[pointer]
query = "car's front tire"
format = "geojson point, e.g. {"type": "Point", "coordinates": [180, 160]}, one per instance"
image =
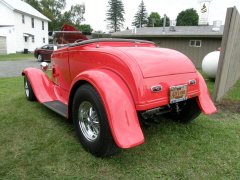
{"type": "Point", "coordinates": [28, 90]}
{"type": "Point", "coordinates": [91, 123]}
{"type": "Point", "coordinates": [39, 58]}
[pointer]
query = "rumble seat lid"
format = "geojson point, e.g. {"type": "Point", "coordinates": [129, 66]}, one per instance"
{"type": "Point", "coordinates": [155, 62]}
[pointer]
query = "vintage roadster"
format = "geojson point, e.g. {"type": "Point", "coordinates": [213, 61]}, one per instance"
{"type": "Point", "coordinates": [109, 86]}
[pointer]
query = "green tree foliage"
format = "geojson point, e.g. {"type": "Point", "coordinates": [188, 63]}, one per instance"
{"type": "Point", "coordinates": [167, 21]}
{"type": "Point", "coordinates": [114, 14]}
{"type": "Point", "coordinates": [154, 20]}
{"type": "Point", "coordinates": [74, 16]}
{"type": "Point", "coordinates": [189, 17]}
{"type": "Point", "coordinates": [65, 18]}
{"type": "Point", "coordinates": [77, 12]}
{"type": "Point", "coordinates": [141, 16]}
{"type": "Point", "coordinates": [53, 10]}
{"type": "Point", "coordinates": [85, 28]}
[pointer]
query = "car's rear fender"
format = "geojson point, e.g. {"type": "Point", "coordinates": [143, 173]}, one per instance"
{"type": "Point", "coordinates": [41, 84]}
{"type": "Point", "coordinates": [204, 100]}
{"type": "Point", "coordinates": [119, 105]}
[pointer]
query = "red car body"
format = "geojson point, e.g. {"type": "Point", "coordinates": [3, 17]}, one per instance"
{"type": "Point", "coordinates": [131, 77]}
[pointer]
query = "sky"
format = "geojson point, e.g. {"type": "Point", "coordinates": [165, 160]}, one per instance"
{"type": "Point", "coordinates": [95, 10]}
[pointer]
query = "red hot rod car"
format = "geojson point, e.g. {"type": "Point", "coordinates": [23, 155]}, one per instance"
{"type": "Point", "coordinates": [109, 86]}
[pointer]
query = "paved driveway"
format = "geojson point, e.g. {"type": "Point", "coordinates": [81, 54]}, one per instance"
{"type": "Point", "coordinates": [14, 68]}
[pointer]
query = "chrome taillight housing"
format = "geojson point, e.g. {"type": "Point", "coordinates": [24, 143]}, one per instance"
{"type": "Point", "coordinates": [156, 89]}
{"type": "Point", "coordinates": [192, 82]}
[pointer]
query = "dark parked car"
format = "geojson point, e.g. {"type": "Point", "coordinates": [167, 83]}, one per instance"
{"type": "Point", "coordinates": [44, 52]}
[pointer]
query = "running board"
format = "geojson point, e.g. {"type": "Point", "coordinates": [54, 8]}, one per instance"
{"type": "Point", "coordinates": [57, 106]}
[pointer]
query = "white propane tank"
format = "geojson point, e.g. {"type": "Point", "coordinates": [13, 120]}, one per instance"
{"type": "Point", "coordinates": [210, 64]}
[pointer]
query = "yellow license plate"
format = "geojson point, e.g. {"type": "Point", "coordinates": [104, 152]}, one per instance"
{"type": "Point", "coordinates": [178, 93]}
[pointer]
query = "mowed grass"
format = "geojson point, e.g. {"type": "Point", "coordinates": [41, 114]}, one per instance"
{"type": "Point", "coordinates": [37, 143]}
{"type": "Point", "coordinates": [16, 57]}
{"type": "Point", "coordinates": [210, 82]}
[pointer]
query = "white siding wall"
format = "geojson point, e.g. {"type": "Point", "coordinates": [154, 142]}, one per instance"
{"type": "Point", "coordinates": [12, 28]}
{"type": "Point", "coordinates": [26, 28]}
{"type": "Point", "coordinates": [6, 15]}
{"type": "Point", "coordinates": [8, 31]}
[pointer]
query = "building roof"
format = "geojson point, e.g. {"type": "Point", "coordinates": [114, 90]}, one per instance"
{"type": "Point", "coordinates": [25, 8]}
{"type": "Point", "coordinates": [180, 31]}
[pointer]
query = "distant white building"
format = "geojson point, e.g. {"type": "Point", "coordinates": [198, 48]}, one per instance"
{"type": "Point", "coordinates": [21, 27]}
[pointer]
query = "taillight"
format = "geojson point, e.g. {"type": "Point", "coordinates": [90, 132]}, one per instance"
{"type": "Point", "coordinates": [156, 89]}
{"type": "Point", "coordinates": [192, 82]}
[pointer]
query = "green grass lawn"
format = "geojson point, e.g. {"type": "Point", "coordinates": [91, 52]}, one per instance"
{"type": "Point", "coordinates": [37, 143]}
{"type": "Point", "coordinates": [16, 57]}
{"type": "Point", "coordinates": [209, 81]}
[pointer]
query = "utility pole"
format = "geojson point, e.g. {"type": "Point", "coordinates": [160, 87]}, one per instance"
{"type": "Point", "coordinates": [153, 21]}
{"type": "Point", "coordinates": [164, 23]}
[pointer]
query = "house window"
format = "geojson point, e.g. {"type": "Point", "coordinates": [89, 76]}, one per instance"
{"type": "Point", "coordinates": [32, 23]}
{"type": "Point", "coordinates": [23, 20]}
{"type": "Point", "coordinates": [43, 40]}
{"type": "Point", "coordinates": [42, 25]}
{"type": "Point", "coordinates": [33, 39]}
{"type": "Point", "coordinates": [25, 39]}
{"type": "Point", "coordinates": [195, 43]}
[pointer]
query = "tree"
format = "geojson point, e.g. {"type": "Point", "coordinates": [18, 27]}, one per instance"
{"type": "Point", "coordinates": [154, 20]}
{"type": "Point", "coordinates": [65, 18]}
{"type": "Point", "coordinates": [167, 21]}
{"type": "Point", "coordinates": [77, 12]}
{"type": "Point", "coordinates": [85, 28]}
{"type": "Point", "coordinates": [53, 9]}
{"type": "Point", "coordinates": [114, 14]}
{"type": "Point", "coordinates": [73, 17]}
{"type": "Point", "coordinates": [140, 17]}
{"type": "Point", "coordinates": [189, 17]}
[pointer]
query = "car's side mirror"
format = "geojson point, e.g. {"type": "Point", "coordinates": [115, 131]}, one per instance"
{"type": "Point", "coordinates": [44, 66]}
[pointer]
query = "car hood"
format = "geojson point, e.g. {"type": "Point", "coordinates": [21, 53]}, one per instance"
{"type": "Point", "coordinates": [155, 62]}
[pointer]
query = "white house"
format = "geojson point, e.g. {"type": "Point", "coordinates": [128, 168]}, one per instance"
{"type": "Point", "coordinates": [21, 27]}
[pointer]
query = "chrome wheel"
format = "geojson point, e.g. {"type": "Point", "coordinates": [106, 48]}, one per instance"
{"type": "Point", "coordinates": [88, 121]}
{"type": "Point", "coordinates": [40, 58]}
{"type": "Point", "coordinates": [26, 89]}
{"type": "Point", "coordinates": [91, 122]}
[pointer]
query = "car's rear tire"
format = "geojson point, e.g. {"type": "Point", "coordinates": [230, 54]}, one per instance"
{"type": "Point", "coordinates": [184, 111]}
{"type": "Point", "coordinates": [39, 58]}
{"type": "Point", "coordinates": [91, 123]}
{"type": "Point", "coordinates": [28, 90]}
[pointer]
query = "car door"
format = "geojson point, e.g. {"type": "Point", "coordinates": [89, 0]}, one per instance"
{"type": "Point", "coordinates": [42, 51]}
{"type": "Point", "coordinates": [49, 52]}
{"type": "Point", "coordinates": [60, 68]}
{"type": "Point", "coordinates": [46, 52]}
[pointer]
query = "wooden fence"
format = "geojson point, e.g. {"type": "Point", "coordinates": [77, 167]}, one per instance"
{"type": "Point", "coordinates": [229, 62]}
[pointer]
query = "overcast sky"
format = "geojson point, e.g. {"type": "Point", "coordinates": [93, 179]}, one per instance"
{"type": "Point", "coordinates": [96, 10]}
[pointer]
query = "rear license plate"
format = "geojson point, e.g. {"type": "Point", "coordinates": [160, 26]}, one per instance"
{"type": "Point", "coordinates": [178, 93]}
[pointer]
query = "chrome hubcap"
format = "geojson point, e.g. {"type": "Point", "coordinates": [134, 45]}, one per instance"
{"type": "Point", "coordinates": [88, 121]}
{"type": "Point", "coordinates": [39, 58]}
{"type": "Point", "coordinates": [26, 89]}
